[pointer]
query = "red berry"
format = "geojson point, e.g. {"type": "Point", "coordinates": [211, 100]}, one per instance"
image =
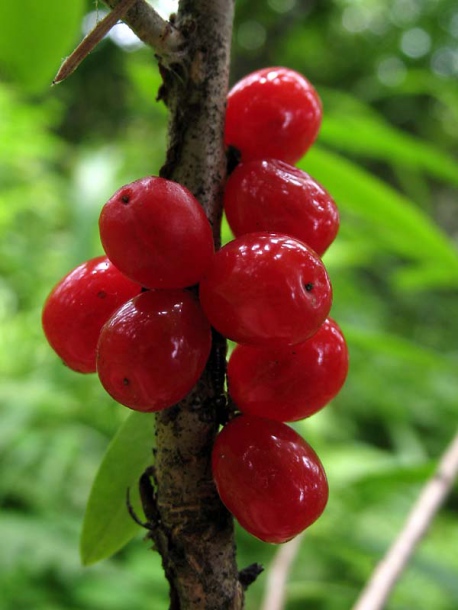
{"type": "Point", "coordinates": [266, 289]}
{"type": "Point", "coordinates": [268, 477]}
{"type": "Point", "coordinates": [78, 307]}
{"type": "Point", "coordinates": [156, 232]}
{"type": "Point", "coordinates": [270, 195]}
{"type": "Point", "coordinates": [274, 112]}
{"type": "Point", "coordinates": [289, 383]}
{"type": "Point", "coordinates": [154, 349]}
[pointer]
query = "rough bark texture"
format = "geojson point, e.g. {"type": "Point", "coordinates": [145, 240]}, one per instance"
{"type": "Point", "coordinates": [194, 532]}
{"type": "Point", "coordinates": [195, 91]}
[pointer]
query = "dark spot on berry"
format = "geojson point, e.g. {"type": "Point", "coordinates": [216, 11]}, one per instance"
{"type": "Point", "coordinates": [308, 287]}
{"type": "Point", "coordinates": [125, 198]}
{"type": "Point", "coordinates": [101, 294]}
{"type": "Point", "coordinates": [126, 381]}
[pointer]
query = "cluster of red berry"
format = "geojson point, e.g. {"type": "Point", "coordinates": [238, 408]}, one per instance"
{"type": "Point", "coordinates": [269, 291]}
{"type": "Point", "coordinates": [132, 317]}
{"type": "Point", "coordinates": [128, 315]}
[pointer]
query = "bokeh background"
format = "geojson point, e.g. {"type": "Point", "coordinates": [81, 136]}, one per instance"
{"type": "Point", "coordinates": [387, 73]}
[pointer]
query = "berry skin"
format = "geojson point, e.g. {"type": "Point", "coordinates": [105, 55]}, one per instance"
{"type": "Point", "coordinates": [289, 383]}
{"type": "Point", "coordinates": [266, 289]}
{"type": "Point", "coordinates": [270, 195]}
{"type": "Point", "coordinates": [79, 305]}
{"type": "Point", "coordinates": [156, 232]}
{"type": "Point", "coordinates": [274, 112]}
{"type": "Point", "coordinates": [268, 477]}
{"type": "Point", "coordinates": [153, 350]}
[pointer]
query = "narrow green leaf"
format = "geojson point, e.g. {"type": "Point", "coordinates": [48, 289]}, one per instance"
{"type": "Point", "coordinates": [403, 227]}
{"type": "Point", "coordinates": [399, 350]}
{"type": "Point", "coordinates": [373, 137]}
{"type": "Point", "coordinates": [426, 276]}
{"type": "Point", "coordinates": [34, 38]}
{"type": "Point", "coordinates": [107, 524]}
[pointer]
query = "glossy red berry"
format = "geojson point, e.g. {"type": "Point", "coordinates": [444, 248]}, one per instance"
{"type": "Point", "coordinates": [270, 195]}
{"type": "Point", "coordinates": [268, 477]}
{"type": "Point", "coordinates": [156, 232]}
{"type": "Point", "coordinates": [274, 112]}
{"type": "Point", "coordinates": [266, 289]}
{"type": "Point", "coordinates": [79, 305]}
{"type": "Point", "coordinates": [153, 350]}
{"type": "Point", "coordinates": [289, 383]}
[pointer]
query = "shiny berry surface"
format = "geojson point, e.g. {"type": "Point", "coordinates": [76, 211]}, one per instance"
{"type": "Point", "coordinates": [270, 195]}
{"type": "Point", "coordinates": [274, 112]}
{"type": "Point", "coordinates": [289, 383]}
{"type": "Point", "coordinates": [266, 289]}
{"type": "Point", "coordinates": [153, 350]}
{"type": "Point", "coordinates": [268, 477]}
{"type": "Point", "coordinates": [79, 305]}
{"type": "Point", "coordinates": [156, 232]}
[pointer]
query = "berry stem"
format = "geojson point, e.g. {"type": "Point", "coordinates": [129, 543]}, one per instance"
{"type": "Point", "coordinates": [195, 532]}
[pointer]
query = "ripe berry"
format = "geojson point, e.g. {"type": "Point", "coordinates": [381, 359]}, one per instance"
{"type": "Point", "coordinates": [156, 232]}
{"type": "Point", "coordinates": [270, 195]}
{"type": "Point", "coordinates": [79, 305]}
{"type": "Point", "coordinates": [289, 383]}
{"type": "Point", "coordinates": [266, 289]}
{"type": "Point", "coordinates": [268, 477]}
{"type": "Point", "coordinates": [153, 350]}
{"type": "Point", "coordinates": [274, 112]}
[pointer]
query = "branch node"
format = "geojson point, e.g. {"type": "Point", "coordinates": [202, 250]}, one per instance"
{"type": "Point", "coordinates": [248, 575]}
{"type": "Point", "coordinates": [168, 42]}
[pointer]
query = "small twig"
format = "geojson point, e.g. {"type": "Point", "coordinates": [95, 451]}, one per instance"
{"type": "Point", "coordinates": [388, 571]}
{"type": "Point", "coordinates": [248, 575]}
{"type": "Point", "coordinates": [90, 41]}
{"type": "Point", "coordinates": [167, 41]}
{"type": "Point", "coordinates": [277, 575]}
{"type": "Point", "coordinates": [160, 34]}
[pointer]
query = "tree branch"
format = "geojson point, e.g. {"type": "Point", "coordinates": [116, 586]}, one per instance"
{"type": "Point", "coordinates": [195, 537]}
{"type": "Point", "coordinates": [389, 570]}
{"type": "Point", "coordinates": [278, 572]}
{"type": "Point", "coordinates": [149, 26]}
{"type": "Point", "coordinates": [166, 40]}
{"type": "Point", "coordinates": [90, 41]}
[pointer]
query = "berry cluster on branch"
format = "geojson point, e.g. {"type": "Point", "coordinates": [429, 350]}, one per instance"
{"type": "Point", "coordinates": [141, 316]}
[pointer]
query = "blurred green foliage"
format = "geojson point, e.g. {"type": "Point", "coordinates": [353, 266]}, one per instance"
{"type": "Point", "coordinates": [386, 70]}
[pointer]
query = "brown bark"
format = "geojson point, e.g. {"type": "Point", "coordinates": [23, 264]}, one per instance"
{"type": "Point", "coordinates": [197, 532]}
{"type": "Point", "coordinates": [192, 530]}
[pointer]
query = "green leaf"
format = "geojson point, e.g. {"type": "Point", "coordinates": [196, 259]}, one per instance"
{"type": "Point", "coordinates": [398, 349]}
{"type": "Point", "coordinates": [107, 524]}
{"type": "Point", "coordinates": [34, 38]}
{"type": "Point", "coordinates": [417, 278]}
{"type": "Point", "coordinates": [353, 126]}
{"type": "Point", "coordinates": [373, 137]}
{"type": "Point", "coordinates": [391, 217]}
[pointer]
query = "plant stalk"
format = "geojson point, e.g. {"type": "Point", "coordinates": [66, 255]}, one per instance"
{"type": "Point", "coordinates": [195, 536]}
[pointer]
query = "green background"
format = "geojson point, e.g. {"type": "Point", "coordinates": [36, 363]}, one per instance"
{"type": "Point", "coordinates": [387, 152]}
